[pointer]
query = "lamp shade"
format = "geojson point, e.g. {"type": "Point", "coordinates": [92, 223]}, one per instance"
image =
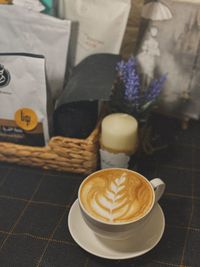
{"type": "Point", "coordinates": [156, 11]}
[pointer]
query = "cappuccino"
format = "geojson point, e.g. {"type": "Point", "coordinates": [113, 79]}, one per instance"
{"type": "Point", "coordinates": [116, 195]}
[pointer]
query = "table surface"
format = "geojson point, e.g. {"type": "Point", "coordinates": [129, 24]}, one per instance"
{"type": "Point", "coordinates": [34, 207]}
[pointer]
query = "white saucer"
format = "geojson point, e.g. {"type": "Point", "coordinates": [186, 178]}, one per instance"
{"type": "Point", "coordinates": [110, 249]}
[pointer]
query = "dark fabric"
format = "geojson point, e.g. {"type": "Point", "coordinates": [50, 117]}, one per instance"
{"type": "Point", "coordinates": [92, 79]}
{"type": "Point", "coordinates": [34, 206]}
{"type": "Point", "coordinates": [76, 120]}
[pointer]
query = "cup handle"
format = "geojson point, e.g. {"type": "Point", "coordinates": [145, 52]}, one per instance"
{"type": "Point", "coordinates": [159, 188]}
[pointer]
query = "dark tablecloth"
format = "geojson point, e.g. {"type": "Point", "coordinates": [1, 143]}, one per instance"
{"type": "Point", "coordinates": [34, 207]}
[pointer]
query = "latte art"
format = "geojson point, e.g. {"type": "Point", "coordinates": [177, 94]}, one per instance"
{"type": "Point", "coordinates": [116, 196]}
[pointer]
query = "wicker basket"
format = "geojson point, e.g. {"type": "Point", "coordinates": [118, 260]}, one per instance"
{"type": "Point", "coordinates": [61, 154]}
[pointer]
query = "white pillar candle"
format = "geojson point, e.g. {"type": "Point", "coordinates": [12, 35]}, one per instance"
{"type": "Point", "coordinates": [119, 133]}
{"type": "Point", "coordinates": [119, 140]}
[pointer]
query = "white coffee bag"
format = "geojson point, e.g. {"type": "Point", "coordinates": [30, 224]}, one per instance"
{"type": "Point", "coordinates": [23, 30]}
{"type": "Point", "coordinates": [23, 99]}
{"type": "Point", "coordinates": [101, 24]}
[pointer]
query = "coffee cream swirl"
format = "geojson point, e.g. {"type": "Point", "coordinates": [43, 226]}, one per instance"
{"type": "Point", "coordinates": [116, 196]}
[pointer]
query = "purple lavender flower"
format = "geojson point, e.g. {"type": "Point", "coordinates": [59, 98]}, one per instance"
{"type": "Point", "coordinates": [136, 97]}
{"type": "Point", "coordinates": [128, 74]}
{"type": "Point", "coordinates": [124, 68]}
{"type": "Point", "coordinates": [132, 86]}
{"type": "Point", "coordinates": [155, 88]}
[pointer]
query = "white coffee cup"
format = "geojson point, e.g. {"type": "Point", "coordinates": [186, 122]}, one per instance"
{"type": "Point", "coordinates": [97, 190]}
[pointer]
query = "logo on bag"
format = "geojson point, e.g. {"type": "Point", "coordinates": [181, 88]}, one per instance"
{"type": "Point", "coordinates": [4, 76]}
{"type": "Point", "coordinates": [26, 119]}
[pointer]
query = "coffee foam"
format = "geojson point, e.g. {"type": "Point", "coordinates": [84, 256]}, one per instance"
{"type": "Point", "coordinates": [116, 196]}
